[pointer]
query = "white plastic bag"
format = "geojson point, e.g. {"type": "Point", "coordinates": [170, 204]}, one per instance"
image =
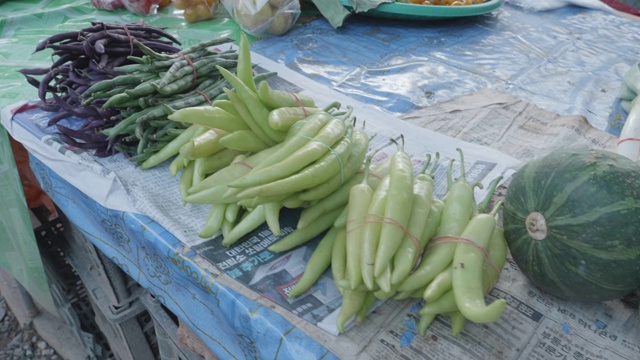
{"type": "Point", "coordinates": [544, 5]}
{"type": "Point", "coordinates": [263, 18]}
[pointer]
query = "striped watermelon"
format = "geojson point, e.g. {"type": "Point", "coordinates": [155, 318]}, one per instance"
{"type": "Point", "coordinates": [572, 222]}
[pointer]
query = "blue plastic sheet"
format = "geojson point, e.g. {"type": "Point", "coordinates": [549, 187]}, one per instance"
{"type": "Point", "coordinates": [568, 61]}
{"type": "Point", "coordinates": [231, 325]}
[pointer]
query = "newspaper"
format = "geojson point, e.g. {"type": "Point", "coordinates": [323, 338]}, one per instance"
{"type": "Point", "coordinates": [510, 125]}
{"type": "Point", "coordinates": [534, 324]}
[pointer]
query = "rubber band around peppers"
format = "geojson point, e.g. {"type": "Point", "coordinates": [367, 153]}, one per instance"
{"type": "Point", "coordinates": [193, 67]}
{"type": "Point", "coordinates": [301, 104]}
{"type": "Point", "coordinates": [447, 239]}
{"type": "Point", "coordinates": [245, 165]}
{"type": "Point", "coordinates": [126, 30]}
{"type": "Point", "coordinates": [331, 151]}
{"type": "Point", "coordinates": [628, 139]}
{"type": "Point", "coordinates": [381, 219]}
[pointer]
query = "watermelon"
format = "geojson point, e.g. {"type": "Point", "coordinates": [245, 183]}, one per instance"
{"type": "Point", "coordinates": [572, 223]}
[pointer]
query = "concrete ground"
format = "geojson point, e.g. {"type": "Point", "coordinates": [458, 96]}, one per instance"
{"type": "Point", "coordinates": [42, 336]}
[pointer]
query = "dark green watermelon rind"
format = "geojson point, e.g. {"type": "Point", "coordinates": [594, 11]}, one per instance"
{"type": "Point", "coordinates": [587, 181]}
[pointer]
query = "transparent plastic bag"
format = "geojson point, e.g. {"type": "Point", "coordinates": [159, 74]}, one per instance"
{"type": "Point", "coordinates": [196, 10]}
{"type": "Point", "coordinates": [263, 18]}
{"type": "Point", "coordinates": [138, 7]}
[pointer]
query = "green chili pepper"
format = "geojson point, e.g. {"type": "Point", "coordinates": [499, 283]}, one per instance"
{"type": "Point", "coordinates": [360, 143]}
{"type": "Point", "coordinates": [213, 224]}
{"type": "Point", "coordinates": [254, 218]}
{"type": "Point", "coordinates": [210, 116]}
{"type": "Point", "coordinates": [338, 198]}
{"type": "Point", "coordinates": [313, 150]}
{"type": "Point", "coordinates": [397, 209]}
{"type": "Point", "coordinates": [283, 118]}
{"type": "Point", "coordinates": [317, 264]}
{"type": "Point", "coordinates": [258, 110]}
{"type": "Point", "coordinates": [245, 72]}
{"type": "Point", "coordinates": [424, 322]}
{"type": "Point", "coordinates": [468, 263]}
{"type": "Point", "coordinates": [369, 301]}
{"type": "Point", "coordinates": [203, 145]}
{"type": "Point", "coordinates": [339, 254]}
{"type": "Point", "coordinates": [360, 197]}
{"type": "Point", "coordinates": [173, 147]}
{"type": "Point", "coordinates": [213, 187]}
{"type": "Point", "coordinates": [213, 163]}
{"type": "Point", "coordinates": [278, 98]}
{"type": "Point", "coordinates": [322, 170]}
{"type": "Point", "coordinates": [440, 284]}
{"type": "Point", "coordinates": [300, 236]}
{"type": "Point", "coordinates": [245, 115]}
{"type": "Point", "coordinates": [352, 301]}
{"type": "Point", "coordinates": [412, 244]}
{"type": "Point", "coordinates": [457, 211]}
{"type": "Point", "coordinates": [457, 322]}
{"type": "Point", "coordinates": [243, 140]}
{"type": "Point", "coordinates": [272, 216]}
{"type": "Point", "coordinates": [371, 232]}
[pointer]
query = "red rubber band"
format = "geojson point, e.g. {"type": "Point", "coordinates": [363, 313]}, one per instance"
{"type": "Point", "coordinates": [204, 96]}
{"type": "Point", "coordinates": [195, 73]}
{"type": "Point", "coordinates": [300, 103]}
{"type": "Point", "coordinates": [245, 164]}
{"type": "Point", "coordinates": [628, 139]}
{"type": "Point", "coordinates": [444, 239]}
{"type": "Point", "coordinates": [126, 30]}
{"type": "Point", "coordinates": [388, 220]}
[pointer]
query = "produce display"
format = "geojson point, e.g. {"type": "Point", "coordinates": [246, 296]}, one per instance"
{"type": "Point", "coordinates": [571, 221]}
{"type": "Point", "coordinates": [248, 150]}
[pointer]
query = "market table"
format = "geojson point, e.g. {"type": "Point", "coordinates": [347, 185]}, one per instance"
{"type": "Point", "coordinates": [568, 61]}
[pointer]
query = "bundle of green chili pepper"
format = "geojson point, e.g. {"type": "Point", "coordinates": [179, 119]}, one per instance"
{"type": "Point", "coordinates": [449, 252]}
{"type": "Point", "coordinates": [256, 150]}
{"type": "Point", "coordinates": [155, 86]}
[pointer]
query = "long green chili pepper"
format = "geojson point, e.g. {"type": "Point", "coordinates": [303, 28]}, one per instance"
{"type": "Point", "coordinates": [339, 254]}
{"type": "Point", "coordinates": [313, 150]}
{"type": "Point", "coordinates": [323, 169]}
{"type": "Point", "coordinates": [300, 236]}
{"type": "Point", "coordinates": [412, 244]}
{"type": "Point", "coordinates": [360, 197]}
{"type": "Point", "coordinates": [467, 271]}
{"type": "Point", "coordinates": [371, 232]}
{"type": "Point", "coordinates": [255, 218]}
{"type": "Point", "coordinates": [457, 211]}
{"type": "Point", "coordinates": [214, 221]}
{"type": "Point", "coordinates": [211, 116]}
{"type": "Point", "coordinates": [243, 140]}
{"type": "Point", "coordinates": [245, 115]}
{"type": "Point", "coordinates": [397, 209]}
{"type": "Point", "coordinates": [317, 264]}
{"type": "Point", "coordinates": [352, 302]}
{"type": "Point", "coordinates": [245, 72]}
{"type": "Point", "coordinates": [360, 142]}
{"type": "Point", "coordinates": [173, 148]}
{"type": "Point", "coordinates": [277, 98]}
{"type": "Point", "coordinates": [258, 110]}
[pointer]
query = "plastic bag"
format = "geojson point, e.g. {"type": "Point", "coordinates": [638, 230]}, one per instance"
{"type": "Point", "coordinates": [264, 17]}
{"type": "Point", "coordinates": [196, 10]}
{"type": "Point", "coordinates": [545, 5]}
{"type": "Point", "coordinates": [138, 7]}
